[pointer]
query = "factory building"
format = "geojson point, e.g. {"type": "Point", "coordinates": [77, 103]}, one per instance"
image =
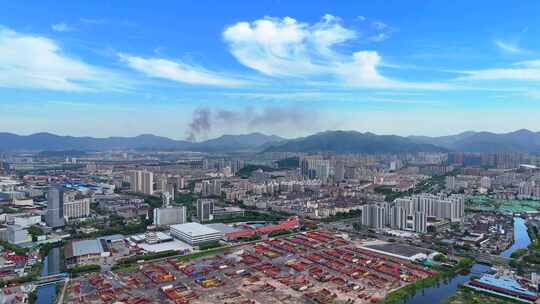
{"type": "Point", "coordinates": [195, 233]}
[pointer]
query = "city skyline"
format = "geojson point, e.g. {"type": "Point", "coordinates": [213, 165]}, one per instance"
{"type": "Point", "coordinates": [276, 68]}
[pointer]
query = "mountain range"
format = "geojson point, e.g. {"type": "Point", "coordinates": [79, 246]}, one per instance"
{"type": "Point", "coordinates": [52, 142]}
{"type": "Point", "coordinates": [524, 141]}
{"type": "Point", "coordinates": [353, 142]}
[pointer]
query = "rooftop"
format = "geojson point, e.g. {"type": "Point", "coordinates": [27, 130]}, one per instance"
{"type": "Point", "coordinates": [174, 245]}
{"type": "Point", "coordinates": [223, 228]}
{"type": "Point", "coordinates": [398, 249]}
{"type": "Point", "coordinates": [194, 229]}
{"type": "Point", "coordinates": [86, 247]}
{"type": "Point", "coordinates": [504, 282]}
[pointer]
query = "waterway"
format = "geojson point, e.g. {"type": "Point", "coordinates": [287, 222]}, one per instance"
{"type": "Point", "coordinates": [51, 265]}
{"type": "Point", "coordinates": [448, 287]}
{"type": "Point", "coordinates": [521, 237]}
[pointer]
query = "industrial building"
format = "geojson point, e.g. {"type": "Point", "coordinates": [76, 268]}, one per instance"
{"type": "Point", "coordinates": [400, 251]}
{"type": "Point", "coordinates": [89, 251]}
{"type": "Point", "coordinates": [85, 252]}
{"type": "Point", "coordinates": [502, 286]}
{"type": "Point", "coordinates": [14, 234]}
{"type": "Point", "coordinates": [195, 233]}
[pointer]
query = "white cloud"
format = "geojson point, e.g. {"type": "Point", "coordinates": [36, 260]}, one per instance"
{"type": "Point", "coordinates": [62, 27]}
{"type": "Point", "coordinates": [525, 71]}
{"type": "Point", "coordinates": [284, 47]}
{"type": "Point", "coordinates": [94, 20]}
{"type": "Point", "coordinates": [510, 47]}
{"type": "Point", "coordinates": [529, 63]}
{"type": "Point", "coordinates": [379, 37]}
{"type": "Point", "coordinates": [179, 71]}
{"type": "Point", "coordinates": [379, 25]}
{"type": "Point", "coordinates": [36, 62]}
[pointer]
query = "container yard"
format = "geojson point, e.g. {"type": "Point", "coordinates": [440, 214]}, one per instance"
{"type": "Point", "coordinates": [309, 267]}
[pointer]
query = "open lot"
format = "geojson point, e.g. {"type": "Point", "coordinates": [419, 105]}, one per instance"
{"type": "Point", "coordinates": [485, 203]}
{"type": "Point", "coordinates": [311, 267]}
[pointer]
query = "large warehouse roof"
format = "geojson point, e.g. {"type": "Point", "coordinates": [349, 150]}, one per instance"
{"type": "Point", "coordinates": [194, 229]}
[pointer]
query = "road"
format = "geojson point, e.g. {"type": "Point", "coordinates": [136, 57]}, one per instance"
{"type": "Point", "coordinates": [61, 297]}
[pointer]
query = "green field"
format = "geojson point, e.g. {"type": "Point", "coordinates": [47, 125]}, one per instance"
{"type": "Point", "coordinates": [484, 203]}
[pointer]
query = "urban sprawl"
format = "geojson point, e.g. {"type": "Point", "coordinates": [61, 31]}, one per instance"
{"type": "Point", "coordinates": [185, 227]}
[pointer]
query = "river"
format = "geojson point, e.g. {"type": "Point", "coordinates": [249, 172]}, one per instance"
{"type": "Point", "coordinates": [521, 237]}
{"type": "Point", "coordinates": [448, 287]}
{"type": "Point", "coordinates": [51, 265]}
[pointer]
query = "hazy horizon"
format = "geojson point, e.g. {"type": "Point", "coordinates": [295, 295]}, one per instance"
{"type": "Point", "coordinates": [268, 134]}
{"type": "Point", "coordinates": [290, 69]}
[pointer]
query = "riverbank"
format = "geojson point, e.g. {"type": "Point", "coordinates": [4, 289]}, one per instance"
{"type": "Point", "coordinates": [398, 296]}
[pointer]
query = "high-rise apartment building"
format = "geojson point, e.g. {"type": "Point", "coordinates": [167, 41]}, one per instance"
{"type": "Point", "coordinates": [419, 222]}
{"type": "Point", "coordinates": [411, 213]}
{"type": "Point", "coordinates": [77, 208]}
{"type": "Point", "coordinates": [55, 207]}
{"type": "Point", "coordinates": [169, 216]}
{"type": "Point", "coordinates": [141, 181]}
{"type": "Point", "coordinates": [205, 210]}
{"type": "Point", "coordinates": [374, 216]}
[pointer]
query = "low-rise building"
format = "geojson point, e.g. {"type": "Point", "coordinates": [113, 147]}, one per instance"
{"type": "Point", "coordinates": [195, 233]}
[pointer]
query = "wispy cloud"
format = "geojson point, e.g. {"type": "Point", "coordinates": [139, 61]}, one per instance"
{"type": "Point", "coordinates": [62, 27]}
{"type": "Point", "coordinates": [94, 20]}
{"type": "Point", "coordinates": [180, 72]}
{"type": "Point", "coordinates": [509, 47]}
{"type": "Point", "coordinates": [36, 62]}
{"type": "Point", "coordinates": [522, 71]}
{"type": "Point", "coordinates": [285, 48]}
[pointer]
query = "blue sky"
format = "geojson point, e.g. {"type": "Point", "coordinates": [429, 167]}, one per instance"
{"type": "Point", "coordinates": [204, 68]}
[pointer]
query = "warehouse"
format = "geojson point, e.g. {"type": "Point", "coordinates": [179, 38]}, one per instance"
{"type": "Point", "coordinates": [195, 233]}
{"type": "Point", "coordinates": [86, 252]}
{"type": "Point", "coordinates": [401, 251]}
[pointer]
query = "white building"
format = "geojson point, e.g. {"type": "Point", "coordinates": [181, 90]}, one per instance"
{"type": "Point", "coordinates": [77, 208]}
{"type": "Point", "coordinates": [17, 235]}
{"type": "Point", "coordinates": [195, 233]}
{"type": "Point", "coordinates": [205, 210]}
{"type": "Point", "coordinates": [23, 220]}
{"type": "Point", "coordinates": [419, 222]}
{"type": "Point", "coordinates": [141, 181]}
{"type": "Point", "coordinates": [374, 216]}
{"type": "Point", "coordinates": [169, 216]}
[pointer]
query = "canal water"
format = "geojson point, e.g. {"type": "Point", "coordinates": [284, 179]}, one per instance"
{"type": "Point", "coordinates": [51, 265]}
{"type": "Point", "coordinates": [521, 237]}
{"type": "Point", "coordinates": [448, 287]}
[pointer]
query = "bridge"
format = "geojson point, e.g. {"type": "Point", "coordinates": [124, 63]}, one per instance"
{"type": "Point", "coordinates": [51, 279]}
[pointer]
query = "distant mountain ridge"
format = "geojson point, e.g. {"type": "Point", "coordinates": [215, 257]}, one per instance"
{"type": "Point", "coordinates": [353, 142]}
{"type": "Point", "coordinates": [523, 141]}
{"type": "Point", "coordinates": [51, 142]}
